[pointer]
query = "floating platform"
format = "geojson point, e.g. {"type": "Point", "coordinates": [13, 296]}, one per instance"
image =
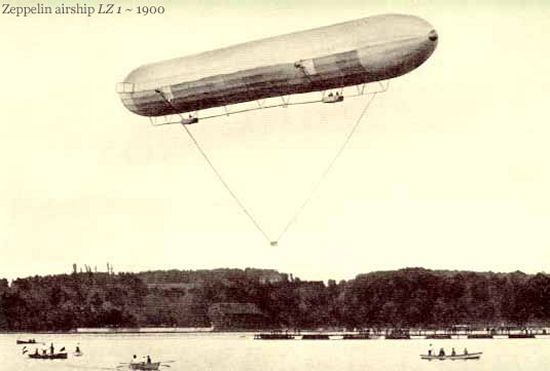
{"type": "Point", "coordinates": [480, 336]}
{"type": "Point", "coordinates": [390, 336]}
{"type": "Point", "coordinates": [316, 337]}
{"type": "Point", "coordinates": [358, 337]}
{"type": "Point", "coordinates": [438, 336]}
{"type": "Point", "coordinates": [398, 337]}
{"type": "Point", "coordinates": [521, 336]}
{"type": "Point", "coordinates": [273, 337]}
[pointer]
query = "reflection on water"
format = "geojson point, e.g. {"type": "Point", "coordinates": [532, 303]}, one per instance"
{"type": "Point", "coordinates": [192, 352]}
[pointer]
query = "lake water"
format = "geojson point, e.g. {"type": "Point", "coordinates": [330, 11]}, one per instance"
{"type": "Point", "coordinates": [241, 352]}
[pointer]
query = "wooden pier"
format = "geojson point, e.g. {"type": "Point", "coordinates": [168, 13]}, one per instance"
{"type": "Point", "coordinates": [407, 334]}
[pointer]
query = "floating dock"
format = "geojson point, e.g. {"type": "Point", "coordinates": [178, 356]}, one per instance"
{"type": "Point", "coordinates": [404, 334]}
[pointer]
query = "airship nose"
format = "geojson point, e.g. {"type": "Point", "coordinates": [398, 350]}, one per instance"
{"type": "Point", "coordinates": [432, 35]}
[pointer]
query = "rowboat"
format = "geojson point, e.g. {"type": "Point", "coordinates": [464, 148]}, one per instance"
{"type": "Point", "coordinates": [30, 341]}
{"type": "Point", "coordinates": [144, 366]}
{"type": "Point", "coordinates": [451, 357]}
{"type": "Point", "coordinates": [48, 356]}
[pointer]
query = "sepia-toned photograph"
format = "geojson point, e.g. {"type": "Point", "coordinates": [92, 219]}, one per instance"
{"type": "Point", "coordinates": [275, 185]}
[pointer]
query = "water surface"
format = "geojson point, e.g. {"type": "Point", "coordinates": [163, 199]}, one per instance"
{"type": "Point", "coordinates": [192, 352]}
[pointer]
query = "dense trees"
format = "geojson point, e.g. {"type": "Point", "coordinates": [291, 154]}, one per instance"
{"type": "Point", "coordinates": [412, 297]}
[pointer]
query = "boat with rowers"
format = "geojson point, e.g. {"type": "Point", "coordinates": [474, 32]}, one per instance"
{"type": "Point", "coordinates": [144, 366]}
{"type": "Point", "coordinates": [48, 356]}
{"type": "Point", "coordinates": [464, 356]}
{"type": "Point", "coordinates": [52, 354]}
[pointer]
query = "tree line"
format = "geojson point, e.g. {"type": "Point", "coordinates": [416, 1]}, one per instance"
{"type": "Point", "coordinates": [412, 297]}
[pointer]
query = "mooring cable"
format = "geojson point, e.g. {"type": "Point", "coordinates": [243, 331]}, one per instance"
{"type": "Point", "coordinates": [327, 170]}
{"type": "Point", "coordinates": [222, 180]}
{"type": "Point", "coordinates": [300, 209]}
{"type": "Point", "coordinates": [216, 172]}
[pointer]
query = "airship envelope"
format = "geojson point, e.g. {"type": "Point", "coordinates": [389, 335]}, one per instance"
{"type": "Point", "coordinates": [356, 52]}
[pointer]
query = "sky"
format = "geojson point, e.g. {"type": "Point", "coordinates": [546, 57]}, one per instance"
{"type": "Point", "coordinates": [449, 169]}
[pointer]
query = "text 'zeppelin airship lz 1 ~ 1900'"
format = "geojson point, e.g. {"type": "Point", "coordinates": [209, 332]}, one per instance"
{"type": "Point", "coordinates": [351, 53]}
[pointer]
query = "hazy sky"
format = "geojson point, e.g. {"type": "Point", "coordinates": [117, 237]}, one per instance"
{"type": "Point", "coordinates": [449, 169]}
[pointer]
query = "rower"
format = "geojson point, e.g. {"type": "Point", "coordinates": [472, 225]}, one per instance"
{"type": "Point", "coordinates": [453, 352]}
{"type": "Point", "coordinates": [148, 359]}
{"type": "Point", "coordinates": [441, 352]}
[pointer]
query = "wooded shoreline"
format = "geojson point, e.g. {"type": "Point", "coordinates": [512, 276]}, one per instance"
{"type": "Point", "coordinates": [254, 299]}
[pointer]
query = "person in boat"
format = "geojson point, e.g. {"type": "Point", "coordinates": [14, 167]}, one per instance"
{"type": "Point", "coordinates": [442, 352]}
{"type": "Point", "coordinates": [35, 351]}
{"type": "Point", "coordinates": [465, 351]}
{"type": "Point", "coordinates": [134, 359]}
{"type": "Point", "coordinates": [148, 359]}
{"type": "Point", "coordinates": [52, 349]}
{"type": "Point", "coordinates": [453, 352]}
{"type": "Point", "coordinates": [77, 348]}
{"type": "Point", "coordinates": [431, 350]}
{"type": "Point", "coordinates": [44, 352]}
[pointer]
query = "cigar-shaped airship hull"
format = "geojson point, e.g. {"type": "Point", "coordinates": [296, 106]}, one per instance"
{"type": "Point", "coordinates": [356, 52]}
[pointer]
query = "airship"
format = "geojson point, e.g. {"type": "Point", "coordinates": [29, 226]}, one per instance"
{"type": "Point", "coordinates": [361, 51]}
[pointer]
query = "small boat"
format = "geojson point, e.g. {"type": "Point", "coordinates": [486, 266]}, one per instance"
{"type": "Point", "coordinates": [48, 356]}
{"type": "Point", "coordinates": [144, 366]}
{"type": "Point", "coordinates": [30, 341]}
{"type": "Point", "coordinates": [451, 357]}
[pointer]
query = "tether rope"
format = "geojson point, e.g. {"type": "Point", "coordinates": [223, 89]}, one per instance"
{"type": "Point", "coordinates": [313, 190]}
{"type": "Point", "coordinates": [218, 175]}
{"type": "Point", "coordinates": [327, 170]}
{"type": "Point", "coordinates": [237, 200]}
